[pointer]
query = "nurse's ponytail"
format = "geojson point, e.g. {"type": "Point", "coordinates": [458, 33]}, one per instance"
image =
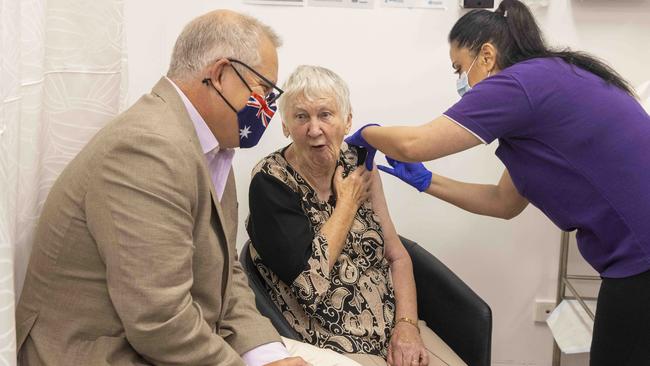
{"type": "Point", "coordinates": [512, 29]}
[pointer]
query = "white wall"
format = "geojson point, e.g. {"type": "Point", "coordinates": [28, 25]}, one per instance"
{"type": "Point", "coordinates": [397, 66]}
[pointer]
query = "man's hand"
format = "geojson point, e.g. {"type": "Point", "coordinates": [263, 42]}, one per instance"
{"type": "Point", "coordinates": [406, 347]}
{"type": "Point", "coordinates": [289, 361]}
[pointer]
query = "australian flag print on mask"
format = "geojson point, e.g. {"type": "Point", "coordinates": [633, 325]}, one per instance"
{"type": "Point", "coordinates": [254, 119]}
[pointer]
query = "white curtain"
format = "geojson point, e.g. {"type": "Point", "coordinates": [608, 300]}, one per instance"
{"type": "Point", "coordinates": [62, 77]}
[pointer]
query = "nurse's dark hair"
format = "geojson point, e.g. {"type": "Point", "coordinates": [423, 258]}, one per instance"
{"type": "Point", "coordinates": [512, 29]}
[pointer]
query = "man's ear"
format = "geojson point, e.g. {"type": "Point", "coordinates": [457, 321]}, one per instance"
{"type": "Point", "coordinates": [215, 72]}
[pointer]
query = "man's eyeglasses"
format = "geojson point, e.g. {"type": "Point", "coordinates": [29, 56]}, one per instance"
{"type": "Point", "coordinates": [274, 92]}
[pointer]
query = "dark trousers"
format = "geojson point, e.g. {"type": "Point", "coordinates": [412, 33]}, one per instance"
{"type": "Point", "coordinates": [622, 325]}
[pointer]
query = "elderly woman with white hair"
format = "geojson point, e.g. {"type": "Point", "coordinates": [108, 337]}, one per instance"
{"type": "Point", "coordinates": [324, 242]}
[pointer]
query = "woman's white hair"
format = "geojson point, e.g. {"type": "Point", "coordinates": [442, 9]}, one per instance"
{"type": "Point", "coordinates": [314, 82]}
{"type": "Point", "coordinates": [215, 35]}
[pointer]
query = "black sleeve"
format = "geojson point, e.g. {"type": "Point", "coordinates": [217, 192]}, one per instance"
{"type": "Point", "coordinates": [278, 227]}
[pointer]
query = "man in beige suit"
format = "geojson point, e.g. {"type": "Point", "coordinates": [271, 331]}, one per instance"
{"type": "Point", "coordinates": [134, 258]}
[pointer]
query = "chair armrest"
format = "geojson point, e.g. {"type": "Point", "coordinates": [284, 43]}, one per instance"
{"type": "Point", "coordinates": [263, 300]}
{"type": "Point", "coordinates": [450, 308]}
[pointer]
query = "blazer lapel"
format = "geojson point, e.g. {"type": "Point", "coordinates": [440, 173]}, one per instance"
{"type": "Point", "coordinates": [165, 90]}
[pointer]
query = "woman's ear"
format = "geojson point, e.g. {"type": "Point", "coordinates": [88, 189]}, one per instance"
{"type": "Point", "coordinates": [348, 124]}
{"type": "Point", "coordinates": [285, 130]}
{"type": "Point", "coordinates": [488, 57]}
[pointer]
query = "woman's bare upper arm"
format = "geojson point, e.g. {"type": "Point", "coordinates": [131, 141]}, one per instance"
{"type": "Point", "coordinates": [393, 246]}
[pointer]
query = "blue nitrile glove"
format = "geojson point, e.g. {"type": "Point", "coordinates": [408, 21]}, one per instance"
{"type": "Point", "coordinates": [414, 174]}
{"type": "Point", "coordinates": [357, 139]}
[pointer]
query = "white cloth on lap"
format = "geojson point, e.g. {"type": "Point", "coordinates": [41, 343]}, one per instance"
{"type": "Point", "coordinates": [317, 356]}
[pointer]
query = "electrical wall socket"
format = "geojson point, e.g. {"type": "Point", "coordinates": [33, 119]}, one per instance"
{"type": "Point", "coordinates": [543, 308]}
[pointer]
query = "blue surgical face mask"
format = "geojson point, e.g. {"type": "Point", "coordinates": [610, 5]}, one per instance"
{"type": "Point", "coordinates": [462, 84]}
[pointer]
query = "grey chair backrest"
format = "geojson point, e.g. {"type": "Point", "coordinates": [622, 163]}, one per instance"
{"type": "Point", "coordinates": [262, 298]}
{"type": "Point", "coordinates": [450, 308]}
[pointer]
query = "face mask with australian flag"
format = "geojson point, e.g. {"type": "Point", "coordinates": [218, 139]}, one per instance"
{"type": "Point", "coordinates": [253, 120]}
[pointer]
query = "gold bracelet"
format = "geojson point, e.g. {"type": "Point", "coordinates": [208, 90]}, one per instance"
{"type": "Point", "coordinates": [410, 321]}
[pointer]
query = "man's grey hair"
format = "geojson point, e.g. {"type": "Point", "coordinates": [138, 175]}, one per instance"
{"type": "Point", "coordinates": [315, 82]}
{"type": "Point", "coordinates": [215, 35]}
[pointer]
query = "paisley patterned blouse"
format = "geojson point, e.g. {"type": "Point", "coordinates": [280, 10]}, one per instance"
{"type": "Point", "coordinates": [349, 309]}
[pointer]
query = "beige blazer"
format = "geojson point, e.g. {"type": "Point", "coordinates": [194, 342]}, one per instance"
{"type": "Point", "coordinates": [134, 258]}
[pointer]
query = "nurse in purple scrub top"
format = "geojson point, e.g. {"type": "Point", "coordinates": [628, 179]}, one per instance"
{"type": "Point", "coordinates": [575, 143]}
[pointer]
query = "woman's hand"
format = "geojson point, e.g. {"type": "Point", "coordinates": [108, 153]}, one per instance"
{"type": "Point", "coordinates": [357, 139]}
{"type": "Point", "coordinates": [350, 192]}
{"type": "Point", "coordinates": [414, 174]}
{"type": "Point", "coordinates": [354, 189]}
{"type": "Point", "coordinates": [406, 347]}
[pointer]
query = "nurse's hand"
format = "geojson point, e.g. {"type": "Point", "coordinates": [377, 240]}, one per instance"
{"type": "Point", "coordinates": [357, 139]}
{"type": "Point", "coordinates": [415, 174]}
